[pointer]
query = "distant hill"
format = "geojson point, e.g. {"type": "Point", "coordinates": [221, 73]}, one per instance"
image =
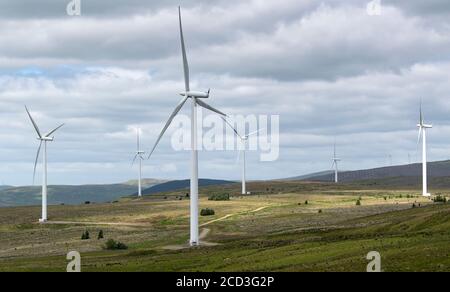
{"type": "Point", "coordinates": [5, 187]}
{"type": "Point", "coordinates": [146, 182]}
{"type": "Point", "coordinates": [311, 175]}
{"type": "Point", "coordinates": [69, 195]}
{"type": "Point", "coordinates": [394, 175]}
{"type": "Point", "coordinates": [183, 185]}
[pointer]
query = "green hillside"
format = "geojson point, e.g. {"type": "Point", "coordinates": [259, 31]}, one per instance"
{"type": "Point", "coordinates": [285, 226]}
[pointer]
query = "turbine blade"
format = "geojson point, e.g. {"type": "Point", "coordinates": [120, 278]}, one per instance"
{"type": "Point", "coordinates": [208, 107]}
{"type": "Point", "coordinates": [183, 50]}
{"type": "Point", "coordinates": [255, 132]}
{"type": "Point", "coordinates": [34, 123]}
{"type": "Point", "coordinates": [53, 131]}
{"type": "Point", "coordinates": [138, 140]}
{"type": "Point", "coordinates": [175, 112]}
{"type": "Point", "coordinates": [420, 136]}
{"type": "Point", "coordinates": [36, 161]}
{"type": "Point", "coordinates": [134, 160]}
{"type": "Point", "coordinates": [421, 113]}
{"type": "Point", "coordinates": [231, 126]}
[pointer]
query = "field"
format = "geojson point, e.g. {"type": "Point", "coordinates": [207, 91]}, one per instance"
{"type": "Point", "coordinates": [283, 226]}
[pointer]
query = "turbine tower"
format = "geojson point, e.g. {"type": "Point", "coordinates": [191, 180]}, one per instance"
{"type": "Point", "coordinates": [243, 140]}
{"type": "Point", "coordinates": [423, 134]}
{"type": "Point", "coordinates": [43, 141]}
{"type": "Point", "coordinates": [139, 155]}
{"type": "Point", "coordinates": [335, 165]}
{"type": "Point", "coordinates": [196, 99]}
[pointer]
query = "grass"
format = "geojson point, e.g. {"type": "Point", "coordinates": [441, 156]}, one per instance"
{"type": "Point", "coordinates": [264, 232]}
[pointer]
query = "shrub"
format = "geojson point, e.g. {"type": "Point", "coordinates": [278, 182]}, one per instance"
{"type": "Point", "coordinates": [207, 212]}
{"type": "Point", "coordinates": [100, 235]}
{"type": "Point", "coordinates": [219, 197]}
{"type": "Point", "coordinates": [87, 203]}
{"type": "Point", "coordinates": [85, 235]}
{"type": "Point", "coordinates": [440, 199]}
{"type": "Point", "coordinates": [358, 203]}
{"type": "Point", "coordinates": [306, 202]}
{"type": "Point", "coordinates": [320, 211]}
{"type": "Point", "coordinates": [111, 244]}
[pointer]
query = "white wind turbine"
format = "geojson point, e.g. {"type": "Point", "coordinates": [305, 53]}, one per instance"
{"type": "Point", "coordinates": [195, 97]}
{"type": "Point", "coordinates": [43, 141]}
{"type": "Point", "coordinates": [139, 155]}
{"type": "Point", "coordinates": [335, 165]}
{"type": "Point", "coordinates": [243, 140]}
{"type": "Point", "coordinates": [423, 134]}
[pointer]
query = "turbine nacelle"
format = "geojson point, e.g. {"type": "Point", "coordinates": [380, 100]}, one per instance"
{"type": "Point", "coordinates": [196, 94]}
{"type": "Point", "coordinates": [424, 126]}
{"type": "Point", "coordinates": [47, 139]}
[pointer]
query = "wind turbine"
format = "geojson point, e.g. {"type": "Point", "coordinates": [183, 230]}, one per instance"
{"type": "Point", "coordinates": [243, 140]}
{"type": "Point", "coordinates": [335, 165]}
{"type": "Point", "coordinates": [195, 97]}
{"type": "Point", "coordinates": [43, 141]}
{"type": "Point", "coordinates": [139, 155]}
{"type": "Point", "coordinates": [423, 134]}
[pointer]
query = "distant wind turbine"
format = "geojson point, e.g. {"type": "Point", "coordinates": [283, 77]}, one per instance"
{"type": "Point", "coordinates": [43, 141]}
{"type": "Point", "coordinates": [423, 134]}
{"type": "Point", "coordinates": [243, 140]}
{"type": "Point", "coordinates": [195, 97]}
{"type": "Point", "coordinates": [335, 165]}
{"type": "Point", "coordinates": [139, 155]}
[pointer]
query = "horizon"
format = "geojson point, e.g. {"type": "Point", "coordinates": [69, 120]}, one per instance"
{"type": "Point", "coordinates": [231, 180]}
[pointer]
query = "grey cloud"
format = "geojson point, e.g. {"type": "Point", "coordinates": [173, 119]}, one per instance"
{"type": "Point", "coordinates": [328, 70]}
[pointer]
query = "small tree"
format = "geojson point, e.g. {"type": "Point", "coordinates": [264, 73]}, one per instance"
{"type": "Point", "coordinates": [100, 235]}
{"type": "Point", "coordinates": [219, 197]}
{"type": "Point", "coordinates": [306, 202]}
{"type": "Point", "coordinates": [358, 203]}
{"type": "Point", "coordinates": [85, 235]}
{"type": "Point", "coordinates": [207, 212]}
{"type": "Point", "coordinates": [111, 244]}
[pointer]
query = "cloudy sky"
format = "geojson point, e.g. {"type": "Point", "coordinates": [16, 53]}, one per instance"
{"type": "Point", "coordinates": [327, 68]}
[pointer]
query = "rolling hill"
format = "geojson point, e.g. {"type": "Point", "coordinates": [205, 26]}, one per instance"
{"type": "Point", "coordinates": [69, 195]}
{"type": "Point", "coordinates": [75, 195]}
{"type": "Point", "coordinates": [183, 185]}
{"type": "Point", "coordinates": [401, 175]}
